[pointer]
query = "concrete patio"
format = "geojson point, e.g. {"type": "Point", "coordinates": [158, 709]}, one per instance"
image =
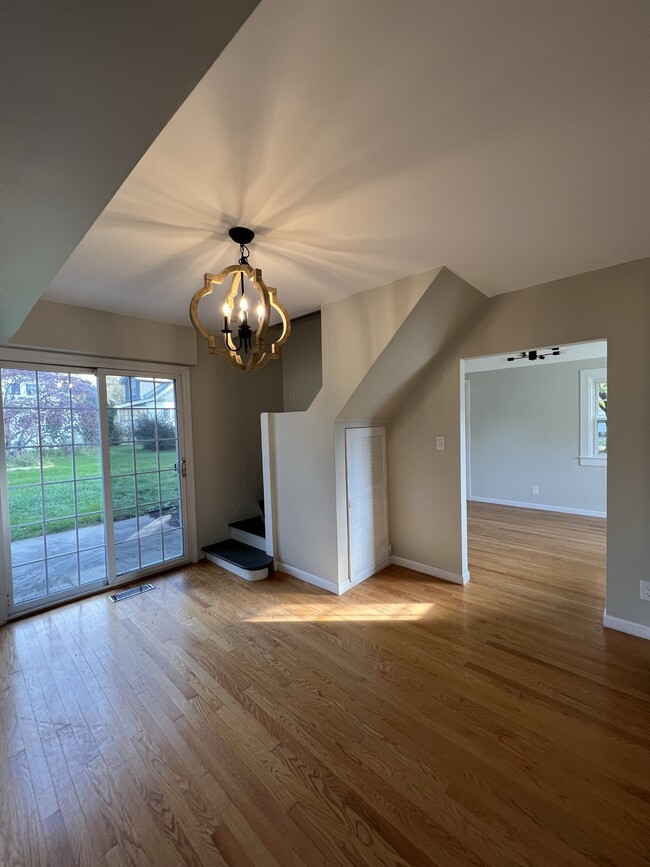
{"type": "Point", "coordinates": [138, 543]}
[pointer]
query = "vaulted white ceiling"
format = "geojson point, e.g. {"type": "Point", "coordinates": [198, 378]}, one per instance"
{"type": "Point", "coordinates": [85, 86]}
{"type": "Point", "coordinates": [364, 141]}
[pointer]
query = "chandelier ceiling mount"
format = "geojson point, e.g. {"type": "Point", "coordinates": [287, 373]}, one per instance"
{"type": "Point", "coordinates": [243, 346]}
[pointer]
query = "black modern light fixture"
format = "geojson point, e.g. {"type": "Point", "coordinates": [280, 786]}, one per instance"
{"type": "Point", "coordinates": [249, 349]}
{"type": "Point", "coordinates": [535, 354]}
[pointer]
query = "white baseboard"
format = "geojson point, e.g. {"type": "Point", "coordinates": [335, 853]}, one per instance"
{"type": "Point", "coordinates": [340, 589]}
{"type": "Point", "coordinates": [628, 626]}
{"type": "Point", "coordinates": [539, 507]}
{"type": "Point", "coordinates": [316, 580]}
{"type": "Point", "coordinates": [454, 577]}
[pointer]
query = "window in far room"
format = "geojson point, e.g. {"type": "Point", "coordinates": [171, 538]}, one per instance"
{"type": "Point", "coordinates": [593, 417]}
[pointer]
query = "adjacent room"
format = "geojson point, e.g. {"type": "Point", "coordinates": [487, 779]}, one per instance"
{"type": "Point", "coordinates": [321, 540]}
{"type": "Point", "coordinates": [537, 429]}
{"type": "Point", "coordinates": [536, 448]}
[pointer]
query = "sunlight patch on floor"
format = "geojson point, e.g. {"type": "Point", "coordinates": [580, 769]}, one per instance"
{"type": "Point", "coordinates": [327, 610]}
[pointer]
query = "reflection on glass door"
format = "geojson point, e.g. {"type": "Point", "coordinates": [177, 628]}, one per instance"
{"type": "Point", "coordinates": [145, 471]}
{"type": "Point", "coordinates": [54, 481]}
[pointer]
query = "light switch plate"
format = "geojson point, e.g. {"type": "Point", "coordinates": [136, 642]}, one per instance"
{"type": "Point", "coordinates": [440, 444]}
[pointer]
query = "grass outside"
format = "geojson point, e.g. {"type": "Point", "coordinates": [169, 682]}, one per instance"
{"type": "Point", "coordinates": [133, 470]}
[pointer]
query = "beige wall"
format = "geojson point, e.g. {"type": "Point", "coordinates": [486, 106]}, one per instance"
{"type": "Point", "coordinates": [303, 460]}
{"type": "Point", "coordinates": [612, 304]}
{"type": "Point", "coordinates": [302, 364]}
{"type": "Point", "coordinates": [86, 88]}
{"type": "Point", "coordinates": [68, 328]}
{"type": "Point", "coordinates": [226, 409]}
{"type": "Point", "coordinates": [226, 404]}
{"type": "Point", "coordinates": [525, 431]}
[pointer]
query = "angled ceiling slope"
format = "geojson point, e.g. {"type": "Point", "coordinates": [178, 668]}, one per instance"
{"type": "Point", "coordinates": [367, 140]}
{"type": "Point", "coordinates": [87, 86]}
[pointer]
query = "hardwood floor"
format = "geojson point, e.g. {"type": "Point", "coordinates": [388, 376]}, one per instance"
{"type": "Point", "coordinates": [409, 722]}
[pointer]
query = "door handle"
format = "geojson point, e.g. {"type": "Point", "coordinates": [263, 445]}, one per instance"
{"type": "Point", "coordinates": [183, 468]}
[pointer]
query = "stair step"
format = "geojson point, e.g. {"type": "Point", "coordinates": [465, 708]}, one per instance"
{"type": "Point", "coordinates": [254, 526]}
{"type": "Point", "coordinates": [244, 560]}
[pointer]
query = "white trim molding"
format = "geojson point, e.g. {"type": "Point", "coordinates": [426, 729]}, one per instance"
{"type": "Point", "coordinates": [541, 507]}
{"type": "Point", "coordinates": [627, 626]}
{"type": "Point", "coordinates": [268, 478]}
{"type": "Point", "coordinates": [323, 583]}
{"type": "Point", "coordinates": [589, 378]}
{"type": "Point", "coordinates": [592, 462]}
{"type": "Point", "coordinates": [434, 571]}
{"type": "Point", "coordinates": [348, 585]}
{"type": "Point", "coordinates": [570, 352]}
{"type": "Point", "coordinates": [308, 578]}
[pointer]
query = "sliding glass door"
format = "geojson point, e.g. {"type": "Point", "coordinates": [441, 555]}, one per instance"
{"type": "Point", "coordinates": [145, 471]}
{"type": "Point", "coordinates": [54, 482]}
{"type": "Point", "coordinates": [93, 480]}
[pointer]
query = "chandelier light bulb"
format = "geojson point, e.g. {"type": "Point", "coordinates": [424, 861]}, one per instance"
{"type": "Point", "coordinates": [243, 303]}
{"type": "Point", "coordinates": [226, 310]}
{"type": "Point", "coordinates": [260, 311]}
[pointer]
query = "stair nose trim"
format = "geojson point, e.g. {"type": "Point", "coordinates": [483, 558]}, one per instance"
{"type": "Point", "coordinates": [246, 574]}
{"type": "Point", "coordinates": [248, 562]}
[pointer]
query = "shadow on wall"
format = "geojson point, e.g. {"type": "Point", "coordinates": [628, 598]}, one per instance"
{"type": "Point", "coordinates": [302, 363]}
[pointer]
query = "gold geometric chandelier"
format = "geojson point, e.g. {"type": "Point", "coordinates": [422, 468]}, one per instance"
{"type": "Point", "coordinates": [249, 350]}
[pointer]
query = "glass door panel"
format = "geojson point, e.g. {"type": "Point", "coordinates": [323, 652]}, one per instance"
{"type": "Point", "coordinates": [144, 471]}
{"type": "Point", "coordinates": [54, 481]}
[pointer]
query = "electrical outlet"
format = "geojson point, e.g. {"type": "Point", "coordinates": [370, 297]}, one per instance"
{"type": "Point", "coordinates": [645, 590]}
{"type": "Point", "coordinates": [535, 489]}
{"type": "Point", "coordinates": [440, 444]}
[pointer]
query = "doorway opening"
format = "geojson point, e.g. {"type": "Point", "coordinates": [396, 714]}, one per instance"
{"type": "Point", "coordinates": [535, 440]}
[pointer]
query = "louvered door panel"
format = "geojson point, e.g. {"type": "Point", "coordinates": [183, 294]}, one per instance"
{"type": "Point", "coordinates": [367, 511]}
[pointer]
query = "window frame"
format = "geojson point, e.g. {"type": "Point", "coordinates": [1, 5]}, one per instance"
{"type": "Point", "coordinates": [35, 359]}
{"type": "Point", "coordinates": [589, 378]}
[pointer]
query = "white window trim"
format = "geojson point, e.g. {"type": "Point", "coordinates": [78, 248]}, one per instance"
{"type": "Point", "coordinates": [588, 379]}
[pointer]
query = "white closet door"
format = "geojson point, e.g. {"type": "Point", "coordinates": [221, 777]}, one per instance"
{"type": "Point", "coordinates": [367, 507]}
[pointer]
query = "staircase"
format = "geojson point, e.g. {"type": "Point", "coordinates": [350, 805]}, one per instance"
{"type": "Point", "coordinates": [244, 553]}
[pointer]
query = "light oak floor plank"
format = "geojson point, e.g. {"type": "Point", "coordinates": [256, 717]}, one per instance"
{"type": "Point", "coordinates": [410, 721]}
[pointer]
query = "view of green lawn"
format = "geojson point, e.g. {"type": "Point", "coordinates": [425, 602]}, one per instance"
{"type": "Point", "coordinates": [134, 470]}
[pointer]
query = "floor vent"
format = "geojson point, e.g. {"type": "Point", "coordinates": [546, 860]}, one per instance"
{"type": "Point", "coordinates": [134, 591]}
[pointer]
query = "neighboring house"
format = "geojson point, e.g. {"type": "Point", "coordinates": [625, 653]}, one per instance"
{"type": "Point", "coordinates": [22, 389]}
{"type": "Point", "coordinates": [146, 393]}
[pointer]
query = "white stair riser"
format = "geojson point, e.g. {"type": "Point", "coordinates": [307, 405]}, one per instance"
{"type": "Point", "coordinates": [246, 574]}
{"type": "Point", "coordinates": [251, 539]}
